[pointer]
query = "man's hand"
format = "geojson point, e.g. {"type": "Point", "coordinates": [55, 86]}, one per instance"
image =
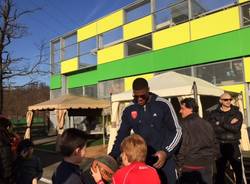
{"type": "Point", "coordinates": [162, 157]}
{"type": "Point", "coordinates": [234, 121]}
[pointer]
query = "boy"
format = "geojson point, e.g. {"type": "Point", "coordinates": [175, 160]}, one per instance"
{"type": "Point", "coordinates": [72, 147]}
{"type": "Point", "coordinates": [133, 153]}
{"type": "Point", "coordinates": [28, 169]}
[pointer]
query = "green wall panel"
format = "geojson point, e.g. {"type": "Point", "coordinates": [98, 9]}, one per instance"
{"type": "Point", "coordinates": [55, 82]}
{"type": "Point", "coordinates": [220, 47]}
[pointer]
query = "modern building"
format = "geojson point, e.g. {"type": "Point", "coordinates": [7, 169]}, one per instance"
{"type": "Point", "coordinates": [209, 39]}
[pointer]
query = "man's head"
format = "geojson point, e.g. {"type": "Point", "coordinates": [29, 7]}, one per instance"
{"type": "Point", "coordinates": [140, 91]}
{"type": "Point", "coordinates": [133, 149]}
{"type": "Point", "coordinates": [4, 122]}
{"type": "Point", "coordinates": [225, 100]}
{"type": "Point", "coordinates": [188, 106]}
{"type": "Point", "coordinates": [107, 166]}
{"type": "Point", "coordinates": [73, 143]}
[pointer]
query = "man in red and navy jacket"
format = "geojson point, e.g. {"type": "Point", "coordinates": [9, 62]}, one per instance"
{"type": "Point", "coordinates": [155, 120]}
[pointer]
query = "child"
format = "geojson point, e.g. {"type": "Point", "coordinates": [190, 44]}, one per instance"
{"type": "Point", "coordinates": [28, 169]}
{"type": "Point", "coordinates": [133, 153]}
{"type": "Point", "coordinates": [105, 165]}
{"type": "Point", "coordinates": [72, 147]}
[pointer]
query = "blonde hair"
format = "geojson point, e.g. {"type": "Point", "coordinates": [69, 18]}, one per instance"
{"type": "Point", "coordinates": [135, 148]}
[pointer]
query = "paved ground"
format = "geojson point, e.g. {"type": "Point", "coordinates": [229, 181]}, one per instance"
{"type": "Point", "coordinates": [50, 159]}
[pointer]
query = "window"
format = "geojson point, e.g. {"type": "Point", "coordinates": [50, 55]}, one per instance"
{"type": "Point", "coordinates": [106, 88]}
{"type": "Point", "coordinates": [55, 57]}
{"type": "Point", "coordinates": [138, 11]}
{"type": "Point", "coordinates": [246, 15]}
{"type": "Point", "coordinates": [91, 90]}
{"type": "Point", "coordinates": [184, 71]}
{"type": "Point", "coordinates": [139, 45]}
{"type": "Point", "coordinates": [76, 91]}
{"type": "Point", "coordinates": [160, 4]}
{"type": "Point", "coordinates": [232, 72]}
{"type": "Point", "coordinates": [69, 49]}
{"type": "Point", "coordinates": [175, 14]}
{"type": "Point", "coordinates": [55, 93]}
{"type": "Point", "coordinates": [112, 37]}
{"type": "Point", "coordinates": [87, 52]}
{"type": "Point", "coordinates": [201, 6]}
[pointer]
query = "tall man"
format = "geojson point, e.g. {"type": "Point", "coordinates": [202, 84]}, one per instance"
{"type": "Point", "coordinates": [227, 121]}
{"type": "Point", "coordinates": [198, 148]}
{"type": "Point", "coordinates": [155, 120]}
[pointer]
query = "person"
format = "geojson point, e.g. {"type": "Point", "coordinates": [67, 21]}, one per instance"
{"type": "Point", "coordinates": [72, 147]}
{"type": "Point", "coordinates": [226, 121]}
{"type": "Point", "coordinates": [134, 151]}
{"type": "Point", "coordinates": [6, 156]}
{"type": "Point", "coordinates": [105, 165]}
{"type": "Point", "coordinates": [27, 167]}
{"type": "Point", "coordinates": [155, 120]}
{"type": "Point", "coordinates": [198, 149]}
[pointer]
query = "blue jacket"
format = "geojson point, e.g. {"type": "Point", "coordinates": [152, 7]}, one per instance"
{"type": "Point", "coordinates": [156, 122]}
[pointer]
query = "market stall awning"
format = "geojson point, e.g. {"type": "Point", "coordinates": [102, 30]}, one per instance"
{"type": "Point", "coordinates": [71, 102]}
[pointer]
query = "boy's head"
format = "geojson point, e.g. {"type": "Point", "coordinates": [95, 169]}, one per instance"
{"type": "Point", "coordinates": [107, 166]}
{"type": "Point", "coordinates": [4, 122]}
{"type": "Point", "coordinates": [25, 148]}
{"type": "Point", "coordinates": [133, 149]}
{"type": "Point", "coordinates": [73, 143]}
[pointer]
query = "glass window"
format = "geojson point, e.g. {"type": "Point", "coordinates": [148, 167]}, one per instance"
{"type": "Point", "coordinates": [112, 36]}
{"type": "Point", "coordinates": [91, 90]}
{"type": "Point", "coordinates": [55, 93]}
{"type": "Point", "coordinates": [185, 71]}
{"type": "Point", "coordinates": [86, 60]}
{"type": "Point", "coordinates": [232, 72]}
{"type": "Point", "coordinates": [246, 14]}
{"type": "Point", "coordinates": [106, 88]}
{"type": "Point", "coordinates": [160, 4]}
{"type": "Point", "coordinates": [76, 91]}
{"type": "Point", "coordinates": [56, 68]}
{"type": "Point", "coordinates": [138, 11]}
{"type": "Point", "coordinates": [179, 12]}
{"type": "Point", "coordinates": [175, 14]}
{"type": "Point", "coordinates": [87, 45]}
{"type": "Point", "coordinates": [139, 45]}
{"type": "Point", "coordinates": [70, 47]}
{"type": "Point", "coordinates": [69, 52]}
{"type": "Point", "coordinates": [55, 57]}
{"type": "Point", "coordinates": [201, 6]}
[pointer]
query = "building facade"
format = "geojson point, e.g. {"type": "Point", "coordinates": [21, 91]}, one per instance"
{"type": "Point", "coordinates": [209, 39]}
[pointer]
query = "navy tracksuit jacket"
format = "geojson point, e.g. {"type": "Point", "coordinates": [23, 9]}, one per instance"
{"type": "Point", "coordinates": [157, 123]}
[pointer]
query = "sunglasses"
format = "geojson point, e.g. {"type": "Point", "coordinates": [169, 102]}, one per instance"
{"type": "Point", "coordinates": [227, 99]}
{"type": "Point", "coordinates": [140, 96]}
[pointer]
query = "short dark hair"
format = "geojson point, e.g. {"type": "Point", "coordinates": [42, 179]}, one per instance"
{"type": "Point", "coordinates": [4, 122]}
{"type": "Point", "coordinates": [191, 104]}
{"type": "Point", "coordinates": [72, 139]}
{"type": "Point", "coordinates": [140, 83]}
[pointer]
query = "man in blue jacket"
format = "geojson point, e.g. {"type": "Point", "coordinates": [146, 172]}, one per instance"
{"type": "Point", "coordinates": [155, 120]}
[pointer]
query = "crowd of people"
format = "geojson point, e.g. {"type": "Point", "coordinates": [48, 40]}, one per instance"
{"type": "Point", "coordinates": [161, 149]}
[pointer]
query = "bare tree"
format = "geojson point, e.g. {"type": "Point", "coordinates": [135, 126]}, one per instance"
{"type": "Point", "coordinates": [10, 30]}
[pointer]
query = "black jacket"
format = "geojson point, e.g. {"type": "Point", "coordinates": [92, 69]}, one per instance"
{"type": "Point", "coordinates": [6, 157]}
{"type": "Point", "coordinates": [198, 147]}
{"type": "Point", "coordinates": [156, 122]}
{"type": "Point", "coordinates": [225, 131]}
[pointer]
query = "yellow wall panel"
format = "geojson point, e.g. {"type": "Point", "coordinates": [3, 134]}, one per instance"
{"type": "Point", "coordinates": [242, 1]}
{"type": "Point", "coordinates": [238, 88]}
{"type": "Point", "coordinates": [110, 22]}
{"type": "Point", "coordinates": [110, 53]}
{"type": "Point", "coordinates": [216, 23]}
{"type": "Point", "coordinates": [138, 27]}
{"type": "Point", "coordinates": [129, 80]}
{"type": "Point", "coordinates": [69, 65]}
{"type": "Point", "coordinates": [247, 69]}
{"type": "Point", "coordinates": [86, 32]}
{"type": "Point", "coordinates": [171, 36]}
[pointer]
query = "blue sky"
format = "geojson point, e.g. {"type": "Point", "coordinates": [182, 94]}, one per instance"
{"type": "Point", "coordinates": [56, 18]}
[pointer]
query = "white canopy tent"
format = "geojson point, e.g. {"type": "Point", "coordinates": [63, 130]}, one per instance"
{"type": "Point", "coordinates": [167, 85]}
